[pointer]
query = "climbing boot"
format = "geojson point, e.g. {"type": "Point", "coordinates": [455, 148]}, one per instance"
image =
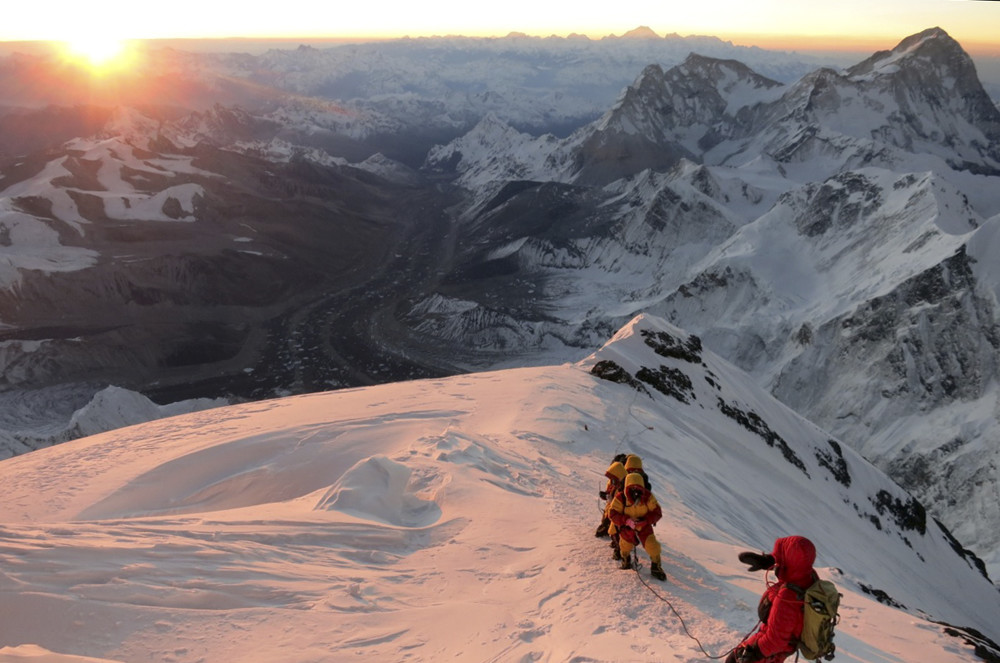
{"type": "Point", "coordinates": [656, 571]}
{"type": "Point", "coordinates": [627, 562]}
{"type": "Point", "coordinates": [616, 553]}
{"type": "Point", "coordinates": [602, 529]}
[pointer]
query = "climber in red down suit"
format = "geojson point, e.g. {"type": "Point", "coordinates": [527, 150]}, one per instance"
{"type": "Point", "coordinates": [780, 608]}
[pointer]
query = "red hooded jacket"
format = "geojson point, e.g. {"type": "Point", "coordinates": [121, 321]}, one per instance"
{"type": "Point", "coordinates": [780, 632]}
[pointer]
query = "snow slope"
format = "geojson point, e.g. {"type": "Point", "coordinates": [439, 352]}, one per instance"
{"type": "Point", "coordinates": [453, 518]}
{"type": "Point", "coordinates": [31, 420]}
{"type": "Point", "coordinates": [815, 235]}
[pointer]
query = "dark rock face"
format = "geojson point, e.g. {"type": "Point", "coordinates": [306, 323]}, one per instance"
{"type": "Point", "coordinates": [668, 381]}
{"type": "Point", "coordinates": [967, 338]}
{"type": "Point", "coordinates": [612, 372]}
{"type": "Point", "coordinates": [835, 463]}
{"type": "Point", "coordinates": [842, 201]}
{"type": "Point", "coordinates": [909, 515]}
{"type": "Point", "coordinates": [658, 116]}
{"type": "Point", "coordinates": [669, 346]}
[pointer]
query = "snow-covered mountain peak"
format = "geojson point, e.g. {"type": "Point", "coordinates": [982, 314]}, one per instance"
{"type": "Point", "coordinates": [490, 134]}
{"type": "Point", "coordinates": [724, 73]}
{"type": "Point", "coordinates": [638, 108]}
{"type": "Point", "coordinates": [493, 153]}
{"type": "Point", "coordinates": [491, 127]}
{"type": "Point", "coordinates": [935, 100]}
{"type": "Point", "coordinates": [132, 127]}
{"type": "Point", "coordinates": [666, 116]}
{"type": "Point", "coordinates": [935, 66]}
{"type": "Point", "coordinates": [699, 91]}
{"type": "Point", "coordinates": [641, 32]}
{"type": "Point", "coordinates": [934, 45]}
{"type": "Point", "coordinates": [923, 98]}
{"type": "Point", "coordinates": [224, 125]}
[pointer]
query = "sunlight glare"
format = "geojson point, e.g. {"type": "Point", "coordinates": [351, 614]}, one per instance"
{"type": "Point", "coordinates": [97, 51]}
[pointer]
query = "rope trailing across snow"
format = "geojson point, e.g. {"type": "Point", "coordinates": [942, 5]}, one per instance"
{"type": "Point", "coordinates": [635, 556]}
{"type": "Point", "coordinates": [635, 566]}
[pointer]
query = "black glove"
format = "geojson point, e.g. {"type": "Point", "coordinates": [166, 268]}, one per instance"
{"type": "Point", "coordinates": [748, 654]}
{"type": "Point", "coordinates": [603, 494]}
{"type": "Point", "coordinates": [757, 561]}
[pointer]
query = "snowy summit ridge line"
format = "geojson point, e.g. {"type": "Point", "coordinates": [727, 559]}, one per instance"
{"type": "Point", "coordinates": [454, 517]}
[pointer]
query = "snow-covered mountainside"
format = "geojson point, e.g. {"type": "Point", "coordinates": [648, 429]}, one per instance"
{"type": "Point", "coordinates": [830, 233]}
{"type": "Point", "coordinates": [919, 105]}
{"type": "Point", "coordinates": [152, 258]}
{"type": "Point", "coordinates": [454, 518]}
{"type": "Point", "coordinates": [31, 420]}
{"type": "Point", "coordinates": [922, 97]}
{"type": "Point", "coordinates": [546, 84]}
{"type": "Point", "coordinates": [829, 236]}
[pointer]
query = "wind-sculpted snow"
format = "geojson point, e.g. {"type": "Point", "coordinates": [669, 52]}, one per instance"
{"type": "Point", "coordinates": [454, 518]}
{"type": "Point", "coordinates": [376, 488]}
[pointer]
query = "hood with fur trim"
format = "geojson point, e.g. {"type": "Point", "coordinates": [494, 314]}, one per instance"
{"type": "Point", "coordinates": [616, 472]}
{"type": "Point", "coordinates": [633, 479]}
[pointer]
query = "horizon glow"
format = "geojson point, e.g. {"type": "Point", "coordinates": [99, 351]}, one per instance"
{"type": "Point", "coordinates": [845, 25]}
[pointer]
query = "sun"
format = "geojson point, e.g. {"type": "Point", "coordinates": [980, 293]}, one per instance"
{"type": "Point", "coordinates": [98, 51]}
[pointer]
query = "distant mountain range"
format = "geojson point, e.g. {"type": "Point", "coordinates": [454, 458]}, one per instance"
{"type": "Point", "coordinates": [399, 97]}
{"type": "Point", "coordinates": [314, 219]}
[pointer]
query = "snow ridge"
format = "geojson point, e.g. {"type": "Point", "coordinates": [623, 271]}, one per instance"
{"type": "Point", "coordinates": [318, 526]}
{"type": "Point", "coordinates": [792, 227]}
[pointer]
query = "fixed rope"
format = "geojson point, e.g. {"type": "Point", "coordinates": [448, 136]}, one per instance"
{"type": "Point", "coordinates": [625, 435]}
{"type": "Point", "coordinates": [635, 556]}
{"type": "Point", "coordinates": [635, 565]}
{"type": "Point", "coordinates": [621, 441]}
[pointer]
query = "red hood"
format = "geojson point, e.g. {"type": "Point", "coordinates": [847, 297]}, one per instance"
{"type": "Point", "coordinates": [794, 557]}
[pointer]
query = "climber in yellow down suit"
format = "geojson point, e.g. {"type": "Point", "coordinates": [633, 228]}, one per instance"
{"type": "Point", "coordinates": [634, 511]}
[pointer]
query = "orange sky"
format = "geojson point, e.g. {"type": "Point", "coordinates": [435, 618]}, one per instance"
{"type": "Point", "coordinates": [800, 24]}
